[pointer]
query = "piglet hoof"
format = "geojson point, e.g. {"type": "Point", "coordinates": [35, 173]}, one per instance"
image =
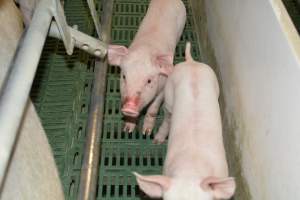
{"type": "Point", "coordinates": [148, 125]}
{"type": "Point", "coordinates": [158, 140]}
{"type": "Point", "coordinates": [147, 131]}
{"type": "Point", "coordinates": [129, 127]}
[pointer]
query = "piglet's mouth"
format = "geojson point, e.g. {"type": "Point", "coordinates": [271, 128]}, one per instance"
{"type": "Point", "coordinates": [131, 107]}
{"type": "Point", "coordinates": [130, 112]}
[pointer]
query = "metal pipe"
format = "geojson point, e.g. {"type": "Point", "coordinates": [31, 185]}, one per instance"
{"type": "Point", "coordinates": [90, 166]}
{"type": "Point", "coordinates": [82, 41]}
{"type": "Point", "coordinates": [15, 92]}
{"type": "Point", "coordinates": [95, 17]}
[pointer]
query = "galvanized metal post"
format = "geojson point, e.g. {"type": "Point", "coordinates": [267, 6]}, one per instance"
{"type": "Point", "coordinates": [90, 167]}
{"type": "Point", "coordinates": [95, 17]}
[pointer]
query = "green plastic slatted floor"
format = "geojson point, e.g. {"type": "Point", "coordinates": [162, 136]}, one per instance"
{"type": "Point", "coordinates": [293, 9]}
{"type": "Point", "coordinates": [61, 93]}
{"type": "Point", "coordinates": [121, 152]}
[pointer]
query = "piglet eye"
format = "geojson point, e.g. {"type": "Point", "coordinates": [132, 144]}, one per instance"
{"type": "Point", "coordinates": [149, 81]}
{"type": "Point", "coordinates": [124, 77]}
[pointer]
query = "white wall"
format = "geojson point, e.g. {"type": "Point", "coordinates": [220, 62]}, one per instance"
{"type": "Point", "coordinates": [257, 50]}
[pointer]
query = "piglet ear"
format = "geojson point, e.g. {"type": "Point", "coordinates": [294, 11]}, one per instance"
{"type": "Point", "coordinates": [221, 188]}
{"type": "Point", "coordinates": [165, 64]}
{"type": "Point", "coordinates": [116, 53]}
{"type": "Point", "coordinates": [153, 186]}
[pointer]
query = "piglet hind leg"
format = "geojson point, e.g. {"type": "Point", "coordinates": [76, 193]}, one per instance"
{"type": "Point", "coordinates": [163, 131]}
{"type": "Point", "coordinates": [150, 117]}
{"type": "Point", "coordinates": [130, 124]}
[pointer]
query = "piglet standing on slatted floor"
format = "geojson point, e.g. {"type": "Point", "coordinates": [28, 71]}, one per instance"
{"type": "Point", "coordinates": [146, 63]}
{"type": "Point", "coordinates": [195, 166]}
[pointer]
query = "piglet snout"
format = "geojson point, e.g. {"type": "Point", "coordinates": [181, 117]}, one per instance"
{"type": "Point", "coordinates": [130, 108]}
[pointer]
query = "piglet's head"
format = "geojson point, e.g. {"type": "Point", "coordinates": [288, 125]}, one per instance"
{"type": "Point", "coordinates": [211, 188]}
{"type": "Point", "coordinates": [142, 76]}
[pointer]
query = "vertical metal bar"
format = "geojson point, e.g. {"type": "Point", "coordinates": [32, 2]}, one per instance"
{"type": "Point", "coordinates": [63, 27]}
{"type": "Point", "coordinates": [90, 167]}
{"type": "Point", "coordinates": [14, 94]}
{"type": "Point", "coordinates": [95, 17]}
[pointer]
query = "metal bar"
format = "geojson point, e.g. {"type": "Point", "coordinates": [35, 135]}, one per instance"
{"type": "Point", "coordinates": [95, 17]}
{"type": "Point", "coordinates": [90, 166]}
{"type": "Point", "coordinates": [63, 27]}
{"type": "Point", "coordinates": [15, 92]}
{"type": "Point", "coordinates": [82, 41]}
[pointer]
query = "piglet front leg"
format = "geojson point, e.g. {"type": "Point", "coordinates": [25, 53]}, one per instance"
{"type": "Point", "coordinates": [130, 124]}
{"type": "Point", "coordinates": [163, 131]}
{"type": "Point", "coordinates": [151, 114]}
